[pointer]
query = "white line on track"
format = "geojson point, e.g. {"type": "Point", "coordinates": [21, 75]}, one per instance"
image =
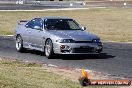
{"type": "Point", "coordinates": [59, 9]}
{"type": "Point", "coordinates": [50, 9]}
{"type": "Point", "coordinates": [7, 35]}
{"type": "Point", "coordinates": [51, 65]}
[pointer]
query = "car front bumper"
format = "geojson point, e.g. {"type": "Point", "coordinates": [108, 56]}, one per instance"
{"type": "Point", "coordinates": [77, 48]}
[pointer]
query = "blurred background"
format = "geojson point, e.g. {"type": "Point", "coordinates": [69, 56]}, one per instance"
{"type": "Point", "coordinates": [42, 4]}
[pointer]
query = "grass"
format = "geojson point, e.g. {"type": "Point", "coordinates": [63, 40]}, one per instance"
{"type": "Point", "coordinates": [17, 74]}
{"type": "Point", "coordinates": [110, 24]}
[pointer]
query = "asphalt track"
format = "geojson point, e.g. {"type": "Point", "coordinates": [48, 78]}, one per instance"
{"type": "Point", "coordinates": [116, 58]}
{"type": "Point", "coordinates": [41, 7]}
{"type": "Point", "coordinates": [35, 7]}
{"type": "Point", "coordinates": [26, 7]}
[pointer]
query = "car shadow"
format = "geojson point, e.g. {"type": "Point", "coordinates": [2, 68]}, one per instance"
{"type": "Point", "coordinates": [84, 57]}
{"type": "Point", "coordinates": [73, 57]}
{"type": "Point", "coordinates": [34, 52]}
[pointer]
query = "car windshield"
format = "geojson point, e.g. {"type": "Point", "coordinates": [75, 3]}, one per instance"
{"type": "Point", "coordinates": [61, 24]}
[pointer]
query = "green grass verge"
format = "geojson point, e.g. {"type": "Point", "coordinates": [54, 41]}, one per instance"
{"type": "Point", "coordinates": [16, 74]}
{"type": "Point", "coordinates": [110, 23]}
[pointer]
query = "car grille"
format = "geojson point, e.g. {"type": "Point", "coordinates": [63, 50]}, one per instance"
{"type": "Point", "coordinates": [83, 41]}
{"type": "Point", "coordinates": [83, 50]}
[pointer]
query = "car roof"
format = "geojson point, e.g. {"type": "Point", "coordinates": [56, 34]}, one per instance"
{"type": "Point", "coordinates": [55, 17]}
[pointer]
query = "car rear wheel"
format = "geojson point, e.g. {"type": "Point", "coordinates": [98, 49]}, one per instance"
{"type": "Point", "coordinates": [49, 49]}
{"type": "Point", "coordinates": [19, 44]}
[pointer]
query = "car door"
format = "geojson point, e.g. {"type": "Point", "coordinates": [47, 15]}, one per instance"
{"type": "Point", "coordinates": [27, 30]}
{"type": "Point", "coordinates": [36, 34]}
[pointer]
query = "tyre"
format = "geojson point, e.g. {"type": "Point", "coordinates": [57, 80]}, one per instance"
{"type": "Point", "coordinates": [49, 53]}
{"type": "Point", "coordinates": [19, 44]}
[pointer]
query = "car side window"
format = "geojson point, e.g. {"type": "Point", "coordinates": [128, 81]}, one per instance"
{"type": "Point", "coordinates": [35, 22]}
{"type": "Point", "coordinates": [38, 22]}
{"type": "Point", "coordinates": [29, 24]}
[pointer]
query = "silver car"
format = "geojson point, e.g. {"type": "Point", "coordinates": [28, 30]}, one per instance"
{"type": "Point", "coordinates": [56, 35]}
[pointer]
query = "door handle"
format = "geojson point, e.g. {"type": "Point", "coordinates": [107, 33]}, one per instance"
{"type": "Point", "coordinates": [43, 37]}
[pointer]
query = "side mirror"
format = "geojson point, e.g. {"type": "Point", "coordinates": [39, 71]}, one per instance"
{"type": "Point", "coordinates": [37, 28]}
{"type": "Point", "coordinates": [83, 28]}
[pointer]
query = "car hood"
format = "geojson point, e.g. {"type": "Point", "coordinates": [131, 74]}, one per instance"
{"type": "Point", "coordinates": [77, 35]}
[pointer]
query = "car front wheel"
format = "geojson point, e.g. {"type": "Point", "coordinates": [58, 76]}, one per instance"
{"type": "Point", "coordinates": [49, 49]}
{"type": "Point", "coordinates": [19, 44]}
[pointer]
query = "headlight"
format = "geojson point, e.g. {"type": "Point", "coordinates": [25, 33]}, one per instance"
{"type": "Point", "coordinates": [96, 41]}
{"type": "Point", "coordinates": [65, 41]}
